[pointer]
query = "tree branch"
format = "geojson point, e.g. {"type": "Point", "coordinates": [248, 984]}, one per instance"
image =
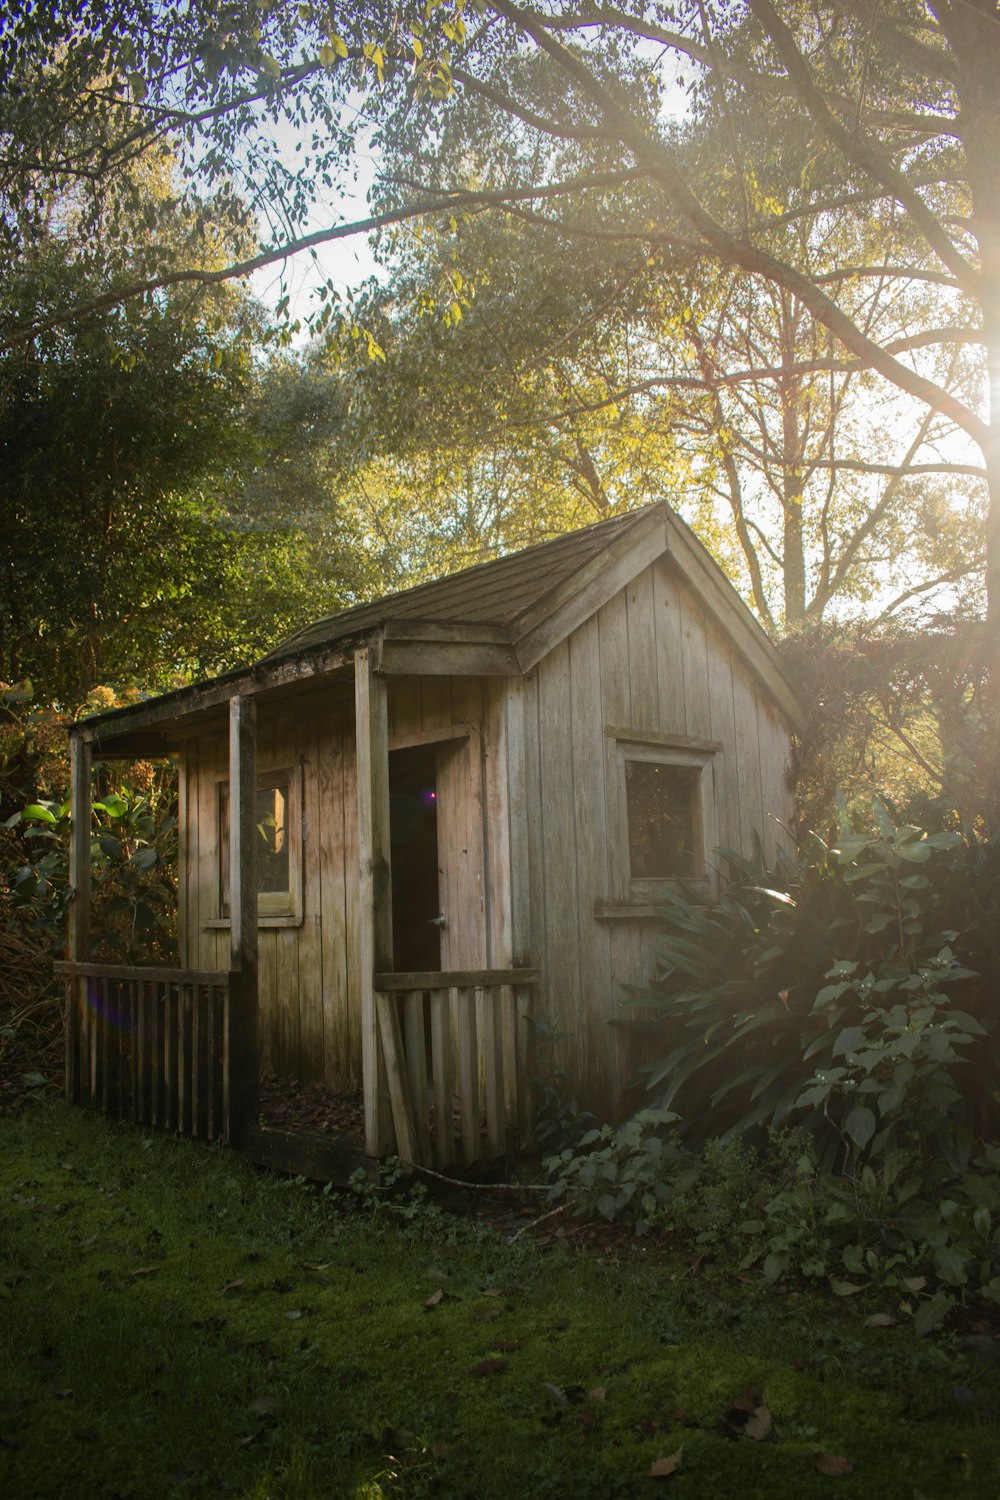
{"type": "Point", "coordinates": [445, 202]}
{"type": "Point", "coordinates": [659, 162]}
{"type": "Point", "coordinates": [861, 149]}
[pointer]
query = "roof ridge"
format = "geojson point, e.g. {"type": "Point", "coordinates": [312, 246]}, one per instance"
{"type": "Point", "coordinates": [623, 521]}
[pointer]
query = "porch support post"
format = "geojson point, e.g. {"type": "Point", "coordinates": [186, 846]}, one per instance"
{"type": "Point", "coordinates": [375, 893]}
{"type": "Point", "coordinates": [240, 1042]}
{"type": "Point", "coordinates": [78, 935]}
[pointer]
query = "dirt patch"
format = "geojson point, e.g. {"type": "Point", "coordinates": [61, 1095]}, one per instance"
{"type": "Point", "coordinates": [290, 1104]}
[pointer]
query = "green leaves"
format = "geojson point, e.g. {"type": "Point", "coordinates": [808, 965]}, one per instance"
{"type": "Point", "coordinates": [133, 865]}
{"type": "Point", "coordinates": [833, 1006]}
{"type": "Point", "coordinates": [860, 1126]}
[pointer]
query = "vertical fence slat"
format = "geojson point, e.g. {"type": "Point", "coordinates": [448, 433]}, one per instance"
{"type": "Point", "coordinates": [489, 1003]}
{"type": "Point", "coordinates": [441, 1078]}
{"type": "Point", "coordinates": [416, 1070]}
{"type": "Point", "coordinates": [156, 1055]}
{"type": "Point", "coordinates": [171, 995]}
{"type": "Point", "coordinates": [92, 1038]}
{"type": "Point", "coordinates": [467, 1059]}
{"type": "Point", "coordinates": [133, 1050]}
{"type": "Point", "coordinates": [113, 1019]}
{"type": "Point", "coordinates": [101, 1046]}
{"type": "Point", "coordinates": [183, 1059]}
{"type": "Point", "coordinates": [212, 1068]}
{"type": "Point", "coordinates": [72, 1037]}
{"type": "Point", "coordinates": [206, 1058]}
{"type": "Point", "coordinates": [146, 998]}
{"type": "Point", "coordinates": [222, 1068]}
{"type": "Point", "coordinates": [197, 1064]}
{"type": "Point", "coordinates": [230, 1094]}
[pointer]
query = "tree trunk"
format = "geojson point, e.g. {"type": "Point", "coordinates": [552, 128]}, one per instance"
{"type": "Point", "coordinates": [793, 560]}
{"type": "Point", "coordinates": [974, 34]}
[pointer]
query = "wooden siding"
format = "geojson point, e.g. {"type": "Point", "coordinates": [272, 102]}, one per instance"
{"type": "Point", "coordinates": [649, 660]}
{"type": "Point", "coordinates": [309, 1010]}
{"type": "Point", "coordinates": [525, 840]}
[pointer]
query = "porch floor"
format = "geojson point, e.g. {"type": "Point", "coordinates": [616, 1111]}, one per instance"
{"type": "Point", "coordinates": [309, 1108]}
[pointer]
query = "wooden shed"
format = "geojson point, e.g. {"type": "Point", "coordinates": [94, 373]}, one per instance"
{"type": "Point", "coordinates": [422, 822]}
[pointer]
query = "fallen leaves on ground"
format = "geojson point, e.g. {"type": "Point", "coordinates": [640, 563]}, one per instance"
{"type": "Point", "coordinates": [434, 1300]}
{"type": "Point", "coordinates": [748, 1416]}
{"type": "Point", "coordinates": [289, 1104]}
{"type": "Point", "coordinates": [662, 1468]}
{"type": "Point", "coordinates": [489, 1367]}
{"type": "Point", "coordinates": [833, 1464]}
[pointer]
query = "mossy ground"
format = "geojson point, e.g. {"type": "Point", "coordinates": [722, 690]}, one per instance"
{"type": "Point", "coordinates": [175, 1323]}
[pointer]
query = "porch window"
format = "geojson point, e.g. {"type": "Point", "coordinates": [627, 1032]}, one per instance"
{"type": "Point", "coordinates": [661, 813]}
{"type": "Point", "coordinates": [279, 846]}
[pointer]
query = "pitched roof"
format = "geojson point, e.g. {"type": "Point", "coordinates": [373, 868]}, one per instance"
{"type": "Point", "coordinates": [497, 618]}
{"type": "Point", "coordinates": [501, 592]}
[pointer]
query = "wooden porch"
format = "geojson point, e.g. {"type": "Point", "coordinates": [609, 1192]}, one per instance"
{"type": "Point", "coordinates": [444, 1055]}
{"type": "Point", "coordinates": [155, 1046]}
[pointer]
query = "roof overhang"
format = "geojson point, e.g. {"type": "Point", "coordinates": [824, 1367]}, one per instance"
{"type": "Point", "coordinates": [404, 646]}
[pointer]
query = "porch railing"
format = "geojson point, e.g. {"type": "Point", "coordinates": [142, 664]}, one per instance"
{"type": "Point", "coordinates": [151, 1045]}
{"type": "Point", "coordinates": [455, 1046]}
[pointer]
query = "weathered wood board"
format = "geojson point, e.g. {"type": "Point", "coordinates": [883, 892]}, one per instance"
{"type": "Point", "coordinates": [309, 966]}
{"type": "Point", "coordinates": [526, 800]}
{"type": "Point", "coordinates": [652, 662]}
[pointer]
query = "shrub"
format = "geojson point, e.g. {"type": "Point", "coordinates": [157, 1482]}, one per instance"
{"type": "Point", "coordinates": [133, 868]}
{"type": "Point", "coordinates": [848, 989]}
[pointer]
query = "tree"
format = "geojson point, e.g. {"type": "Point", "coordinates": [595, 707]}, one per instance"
{"type": "Point", "coordinates": [129, 436]}
{"type": "Point", "coordinates": [892, 111]}
{"type": "Point", "coordinates": [578, 377]}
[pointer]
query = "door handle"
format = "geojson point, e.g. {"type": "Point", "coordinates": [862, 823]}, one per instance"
{"type": "Point", "coordinates": [438, 921]}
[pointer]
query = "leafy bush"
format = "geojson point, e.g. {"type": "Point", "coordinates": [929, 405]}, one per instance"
{"type": "Point", "coordinates": [133, 869]}
{"type": "Point", "coordinates": [559, 1119]}
{"type": "Point", "coordinates": [925, 1232]}
{"type": "Point", "coordinates": [849, 990]}
{"type": "Point", "coordinates": [619, 1172]}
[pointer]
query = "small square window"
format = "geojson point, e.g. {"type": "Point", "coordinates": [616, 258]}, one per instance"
{"type": "Point", "coordinates": [663, 820]}
{"type": "Point", "coordinates": [278, 822]}
{"type": "Point", "coordinates": [661, 814]}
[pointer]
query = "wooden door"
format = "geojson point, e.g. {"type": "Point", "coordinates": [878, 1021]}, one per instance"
{"type": "Point", "coordinates": [461, 864]}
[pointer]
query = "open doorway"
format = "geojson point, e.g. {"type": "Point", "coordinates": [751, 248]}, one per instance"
{"type": "Point", "coordinates": [416, 901]}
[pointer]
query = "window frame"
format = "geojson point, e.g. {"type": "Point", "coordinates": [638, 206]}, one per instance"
{"type": "Point", "coordinates": [274, 908]}
{"type": "Point", "coordinates": [624, 745]}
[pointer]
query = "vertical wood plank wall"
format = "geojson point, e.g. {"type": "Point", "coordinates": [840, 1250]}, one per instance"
{"type": "Point", "coordinates": [523, 828]}
{"type": "Point", "coordinates": [309, 1016]}
{"type": "Point", "coordinates": [609, 673]}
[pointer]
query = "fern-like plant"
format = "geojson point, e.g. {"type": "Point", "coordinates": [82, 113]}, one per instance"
{"type": "Point", "coordinates": [849, 989]}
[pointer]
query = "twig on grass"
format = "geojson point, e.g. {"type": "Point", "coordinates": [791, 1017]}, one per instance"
{"type": "Point", "coordinates": [475, 1187]}
{"type": "Point", "coordinates": [535, 1222]}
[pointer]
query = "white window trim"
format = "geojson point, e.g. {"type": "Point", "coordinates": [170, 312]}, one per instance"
{"type": "Point", "coordinates": [274, 908]}
{"type": "Point", "coordinates": [622, 745]}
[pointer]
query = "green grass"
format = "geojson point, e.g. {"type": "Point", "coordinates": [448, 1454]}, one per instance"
{"type": "Point", "coordinates": [128, 1369]}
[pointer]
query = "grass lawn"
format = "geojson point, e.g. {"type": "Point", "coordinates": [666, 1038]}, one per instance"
{"type": "Point", "coordinates": [175, 1323]}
